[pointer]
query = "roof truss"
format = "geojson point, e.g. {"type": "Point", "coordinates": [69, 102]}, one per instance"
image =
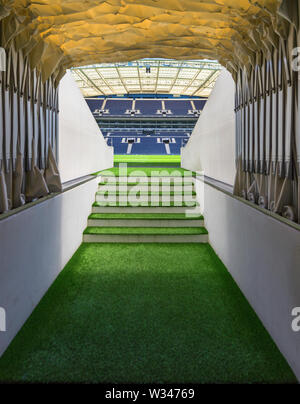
{"type": "Point", "coordinates": [196, 77]}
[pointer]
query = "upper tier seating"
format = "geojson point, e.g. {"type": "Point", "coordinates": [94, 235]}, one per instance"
{"type": "Point", "coordinates": [148, 107]}
{"type": "Point", "coordinates": [95, 105]}
{"type": "Point", "coordinates": [180, 107]}
{"type": "Point", "coordinates": [145, 107]}
{"type": "Point", "coordinates": [118, 107]}
{"type": "Point", "coordinates": [199, 104]}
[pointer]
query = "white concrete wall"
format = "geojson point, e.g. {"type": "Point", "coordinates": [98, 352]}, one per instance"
{"type": "Point", "coordinates": [35, 245]}
{"type": "Point", "coordinates": [82, 148]}
{"type": "Point", "coordinates": [263, 255]}
{"type": "Point", "coordinates": [211, 147]}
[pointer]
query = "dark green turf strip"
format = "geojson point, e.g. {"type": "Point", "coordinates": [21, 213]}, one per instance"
{"type": "Point", "coordinates": [159, 184]}
{"type": "Point", "coordinates": [144, 313]}
{"type": "Point", "coordinates": [147, 172]}
{"type": "Point", "coordinates": [144, 216]}
{"type": "Point", "coordinates": [150, 164]}
{"type": "Point", "coordinates": [157, 193]}
{"type": "Point", "coordinates": [146, 159]}
{"type": "Point", "coordinates": [118, 204]}
{"type": "Point", "coordinates": [140, 231]}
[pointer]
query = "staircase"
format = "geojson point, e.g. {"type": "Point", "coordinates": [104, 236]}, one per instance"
{"type": "Point", "coordinates": [145, 210]}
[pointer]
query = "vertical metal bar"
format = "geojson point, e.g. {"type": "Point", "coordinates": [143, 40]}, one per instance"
{"type": "Point", "coordinates": [275, 91]}
{"type": "Point", "coordinates": [7, 114]}
{"type": "Point", "coordinates": [46, 120]}
{"type": "Point", "coordinates": [262, 119]}
{"type": "Point", "coordinates": [29, 122]}
{"type": "Point", "coordinates": [14, 101]}
{"type": "Point", "coordinates": [281, 117]}
{"type": "Point", "coordinates": [256, 123]}
{"type": "Point", "coordinates": [1, 120]}
{"type": "Point", "coordinates": [269, 119]}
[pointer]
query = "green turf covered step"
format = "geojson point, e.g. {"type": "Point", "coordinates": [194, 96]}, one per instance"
{"type": "Point", "coordinates": [145, 172]}
{"type": "Point", "coordinates": [138, 164]}
{"type": "Point", "coordinates": [145, 216]}
{"type": "Point", "coordinates": [147, 204]}
{"type": "Point", "coordinates": [152, 174]}
{"type": "Point", "coordinates": [157, 193]}
{"type": "Point", "coordinates": [186, 231]}
{"type": "Point", "coordinates": [145, 209]}
{"type": "Point", "coordinates": [145, 184]}
{"type": "Point", "coordinates": [145, 220]}
{"type": "Point", "coordinates": [164, 234]}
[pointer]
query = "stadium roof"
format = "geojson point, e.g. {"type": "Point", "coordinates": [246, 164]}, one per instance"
{"type": "Point", "coordinates": [154, 76]}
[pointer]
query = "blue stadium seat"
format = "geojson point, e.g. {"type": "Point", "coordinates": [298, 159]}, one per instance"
{"type": "Point", "coordinates": [146, 130]}
{"type": "Point", "coordinates": [148, 107]}
{"type": "Point", "coordinates": [200, 104]}
{"type": "Point", "coordinates": [119, 147]}
{"type": "Point", "coordinates": [148, 146]}
{"type": "Point", "coordinates": [94, 104]}
{"type": "Point", "coordinates": [175, 147]}
{"type": "Point", "coordinates": [118, 107]}
{"type": "Point", "coordinates": [179, 107]}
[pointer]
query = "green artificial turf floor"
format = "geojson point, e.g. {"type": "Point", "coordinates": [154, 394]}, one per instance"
{"type": "Point", "coordinates": [146, 172]}
{"type": "Point", "coordinates": [148, 203]}
{"type": "Point", "coordinates": [153, 165]}
{"type": "Point", "coordinates": [145, 216]}
{"type": "Point", "coordinates": [144, 313]}
{"type": "Point", "coordinates": [146, 159]}
{"type": "Point", "coordinates": [148, 193]}
{"type": "Point", "coordinates": [146, 230]}
{"type": "Point", "coordinates": [158, 184]}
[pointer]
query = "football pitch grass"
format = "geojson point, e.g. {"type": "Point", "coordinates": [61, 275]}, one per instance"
{"type": "Point", "coordinates": [146, 159]}
{"type": "Point", "coordinates": [124, 171]}
{"type": "Point", "coordinates": [144, 313]}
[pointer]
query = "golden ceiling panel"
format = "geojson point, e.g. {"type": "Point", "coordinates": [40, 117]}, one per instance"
{"type": "Point", "coordinates": [59, 34]}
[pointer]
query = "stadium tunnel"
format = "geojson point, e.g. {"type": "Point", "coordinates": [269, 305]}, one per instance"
{"type": "Point", "coordinates": [255, 41]}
